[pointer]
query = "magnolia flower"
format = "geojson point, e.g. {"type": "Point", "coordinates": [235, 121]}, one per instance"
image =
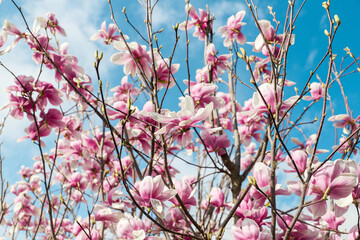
{"type": "Point", "coordinates": [247, 229]}
{"type": "Point", "coordinates": [215, 143]}
{"type": "Point", "coordinates": [232, 31]}
{"type": "Point", "coordinates": [108, 35]}
{"type": "Point", "coordinates": [136, 61]}
{"type": "Point", "coordinates": [335, 179]}
{"type": "Point", "coordinates": [200, 22]}
{"type": "Point", "coordinates": [51, 23]}
{"type": "Point", "coordinates": [152, 192]}
{"type": "Point", "coordinates": [267, 94]}
{"type": "Point", "coordinates": [182, 121]}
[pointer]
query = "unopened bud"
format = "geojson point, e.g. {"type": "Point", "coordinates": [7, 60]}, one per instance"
{"type": "Point", "coordinates": [124, 10]}
{"type": "Point", "coordinates": [101, 55]}
{"type": "Point", "coordinates": [96, 54]}
{"type": "Point", "coordinates": [326, 32]}
{"type": "Point", "coordinates": [252, 180]}
{"type": "Point", "coordinates": [337, 19]}
{"type": "Point", "coordinates": [242, 50]}
{"type": "Point", "coordinates": [325, 5]}
{"type": "Point", "coordinates": [128, 103]}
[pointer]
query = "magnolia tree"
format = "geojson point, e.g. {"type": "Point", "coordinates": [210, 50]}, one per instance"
{"type": "Point", "coordinates": [257, 173]}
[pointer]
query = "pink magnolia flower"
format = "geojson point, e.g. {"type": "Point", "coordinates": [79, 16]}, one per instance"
{"type": "Point", "coordinates": [51, 23]}
{"type": "Point", "coordinates": [53, 118]}
{"type": "Point", "coordinates": [330, 221]}
{"type": "Point", "coordinates": [11, 29]}
{"type": "Point", "coordinates": [181, 122]}
{"type": "Point", "coordinates": [232, 31]}
{"type": "Point", "coordinates": [247, 229]}
{"type": "Point", "coordinates": [270, 37]}
{"type": "Point", "coordinates": [300, 158]}
{"type": "Point", "coordinates": [219, 63]}
{"type": "Point", "coordinates": [186, 193]}
{"type": "Point", "coordinates": [316, 91]}
{"type": "Point", "coordinates": [268, 93]}
{"type": "Point", "coordinates": [108, 35]}
{"type": "Point", "coordinates": [47, 92]}
{"type": "Point", "coordinates": [32, 132]}
{"type": "Point", "coordinates": [19, 106]}
{"type": "Point", "coordinates": [136, 61]}
{"type": "Point", "coordinates": [152, 192]}
{"type": "Point", "coordinates": [344, 121]}
{"type": "Point", "coordinates": [215, 143]}
{"type": "Point", "coordinates": [124, 90]}
{"type": "Point", "coordinates": [106, 214]}
{"type": "Point", "coordinates": [262, 173]}
{"type": "Point", "coordinates": [200, 22]}
{"type": "Point", "coordinates": [203, 94]}
{"type": "Point", "coordinates": [164, 73]}
{"type": "Point", "coordinates": [217, 198]}
{"type": "Point", "coordinates": [336, 180]}
{"type": "Point", "coordinates": [248, 209]}
{"type": "Point", "coordinates": [130, 227]}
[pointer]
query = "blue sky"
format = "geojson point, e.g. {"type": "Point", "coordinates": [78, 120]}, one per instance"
{"type": "Point", "coordinates": [81, 19]}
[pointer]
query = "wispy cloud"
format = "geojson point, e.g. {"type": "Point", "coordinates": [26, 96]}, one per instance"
{"type": "Point", "coordinates": [310, 59]}
{"type": "Point", "coordinates": [80, 21]}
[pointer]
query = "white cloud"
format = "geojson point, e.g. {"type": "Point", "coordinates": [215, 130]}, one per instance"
{"type": "Point", "coordinates": [80, 19]}
{"type": "Point", "coordinates": [310, 59]}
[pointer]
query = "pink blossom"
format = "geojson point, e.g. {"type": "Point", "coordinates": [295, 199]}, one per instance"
{"type": "Point", "coordinates": [330, 221]}
{"type": "Point", "coordinates": [132, 228]}
{"type": "Point", "coordinates": [200, 22]}
{"type": "Point", "coordinates": [247, 229]}
{"type": "Point", "coordinates": [232, 31]}
{"type": "Point", "coordinates": [203, 94]}
{"type": "Point", "coordinates": [268, 93]}
{"type": "Point", "coordinates": [215, 143]}
{"type": "Point", "coordinates": [103, 213]}
{"type": "Point", "coordinates": [53, 118]}
{"type": "Point", "coordinates": [217, 197]}
{"type": "Point", "coordinates": [51, 23]}
{"type": "Point", "coordinates": [108, 35]}
{"type": "Point", "coordinates": [136, 61]}
{"type": "Point", "coordinates": [218, 63]}
{"type": "Point", "coordinates": [186, 193]}
{"type": "Point", "coordinates": [343, 121]}
{"type": "Point", "coordinates": [152, 192]}
{"type": "Point", "coordinates": [182, 121]}
{"type": "Point", "coordinates": [335, 179]}
{"type": "Point", "coordinates": [164, 73]}
{"type": "Point", "coordinates": [300, 158]}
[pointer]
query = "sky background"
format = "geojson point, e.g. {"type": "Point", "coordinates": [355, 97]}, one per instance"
{"type": "Point", "coordinates": [81, 19]}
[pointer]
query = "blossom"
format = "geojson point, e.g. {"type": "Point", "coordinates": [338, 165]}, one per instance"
{"type": "Point", "coordinates": [182, 121]}
{"type": "Point", "coordinates": [300, 158]}
{"type": "Point", "coordinates": [232, 31]}
{"type": "Point", "coordinates": [152, 192]}
{"type": "Point", "coordinates": [248, 229]}
{"type": "Point", "coordinates": [199, 21]}
{"type": "Point", "coordinates": [215, 143]}
{"type": "Point", "coordinates": [164, 73]}
{"type": "Point", "coordinates": [108, 35]}
{"type": "Point", "coordinates": [103, 213]}
{"type": "Point", "coordinates": [186, 193]}
{"type": "Point", "coordinates": [52, 23]}
{"type": "Point", "coordinates": [136, 61]}
{"type": "Point", "coordinates": [335, 179]}
{"type": "Point", "coordinates": [267, 94]}
{"type": "Point", "coordinates": [218, 63]}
